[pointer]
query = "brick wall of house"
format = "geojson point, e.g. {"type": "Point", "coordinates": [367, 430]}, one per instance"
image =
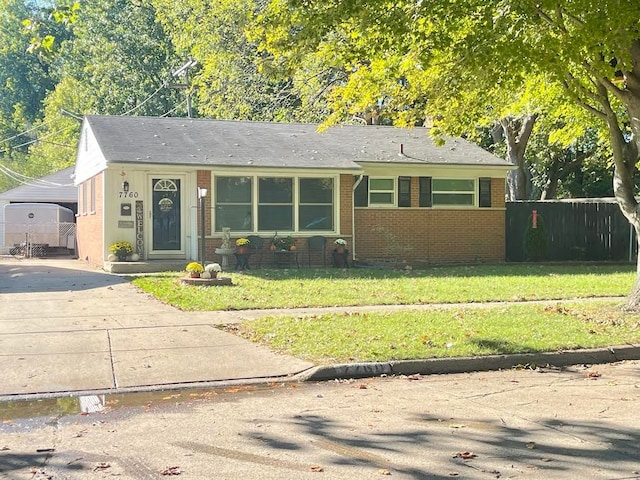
{"type": "Point", "coordinates": [89, 226]}
{"type": "Point", "coordinates": [346, 204]}
{"type": "Point", "coordinates": [432, 235]}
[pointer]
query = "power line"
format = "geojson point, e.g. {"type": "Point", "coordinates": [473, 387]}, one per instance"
{"type": "Point", "coordinates": [25, 132]}
{"type": "Point", "coordinates": [34, 182]}
{"type": "Point", "coordinates": [30, 142]}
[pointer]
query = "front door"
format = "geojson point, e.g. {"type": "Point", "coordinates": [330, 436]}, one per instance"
{"type": "Point", "coordinates": [167, 229]}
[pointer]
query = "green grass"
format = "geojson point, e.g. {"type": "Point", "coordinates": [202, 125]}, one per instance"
{"type": "Point", "coordinates": [446, 332]}
{"type": "Point", "coordinates": [422, 333]}
{"type": "Point", "coordinates": [336, 287]}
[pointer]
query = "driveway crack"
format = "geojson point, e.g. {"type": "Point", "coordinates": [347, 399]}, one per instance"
{"type": "Point", "coordinates": [113, 370]}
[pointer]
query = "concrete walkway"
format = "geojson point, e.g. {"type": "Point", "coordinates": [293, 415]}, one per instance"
{"type": "Point", "coordinates": [67, 327]}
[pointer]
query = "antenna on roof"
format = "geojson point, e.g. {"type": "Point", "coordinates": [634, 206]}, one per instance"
{"type": "Point", "coordinates": [184, 70]}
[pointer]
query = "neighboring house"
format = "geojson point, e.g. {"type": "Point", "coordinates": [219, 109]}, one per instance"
{"type": "Point", "coordinates": [56, 188]}
{"type": "Point", "coordinates": [390, 192]}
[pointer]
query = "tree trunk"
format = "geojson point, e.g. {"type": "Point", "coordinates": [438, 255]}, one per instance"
{"type": "Point", "coordinates": [551, 185]}
{"type": "Point", "coordinates": [517, 132]}
{"type": "Point", "coordinates": [625, 152]}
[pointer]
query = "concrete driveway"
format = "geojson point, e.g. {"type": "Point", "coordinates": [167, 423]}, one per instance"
{"type": "Point", "coordinates": [68, 327]}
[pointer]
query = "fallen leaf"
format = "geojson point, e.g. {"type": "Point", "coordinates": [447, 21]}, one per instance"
{"type": "Point", "coordinates": [384, 471]}
{"type": "Point", "coordinates": [593, 375]}
{"type": "Point", "coordinates": [102, 466]}
{"type": "Point", "coordinates": [175, 470]}
{"type": "Point", "coordinates": [531, 445]}
{"type": "Point", "coordinates": [362, 386]}
{"type": "Point", "coordinates": [453, 474]}
{"type": "Point", "coordinates": [465, 455]}
{"type": "Point", "coordinates": [317, 468]}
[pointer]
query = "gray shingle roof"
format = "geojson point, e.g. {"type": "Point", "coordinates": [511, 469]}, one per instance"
{"type": "Point", "coordinates": [55, 188]}
{"type": "Point", "coordinates": [185, 141]}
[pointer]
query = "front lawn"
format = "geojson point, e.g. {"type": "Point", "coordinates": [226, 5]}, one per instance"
{"type": "Point", "coordinates": [311, 287]}
{"type": "Point", "coordinates": [431, 331]}
{"type": "Point", "coordinates": [446, 332]}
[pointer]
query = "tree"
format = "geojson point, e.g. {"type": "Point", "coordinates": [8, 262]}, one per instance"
{"type": "Point", "coordinates": [591, 51]}
{"type": "Point", "coordinates": [118, 61]}
{"type": "Point", "coordinates": [121, 55]}
{"type": "Point", "coordinates": [234, 80]}
{"type": "Point", "coordinates": [25, 80]}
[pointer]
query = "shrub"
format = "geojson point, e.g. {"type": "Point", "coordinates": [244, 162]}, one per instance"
{"type": "Point", "coordinates": [535, 240]}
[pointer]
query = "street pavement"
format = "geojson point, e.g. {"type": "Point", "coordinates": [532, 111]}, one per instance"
{"type": "Point", "coordinates": [552, 424]}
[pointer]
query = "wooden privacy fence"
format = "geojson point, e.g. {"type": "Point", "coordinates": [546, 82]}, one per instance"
{"type": "Point", "coordinates": [589, 229]}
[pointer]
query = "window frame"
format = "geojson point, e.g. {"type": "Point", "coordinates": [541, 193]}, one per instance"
{"type": "Point", "coordinates": [248, 205]}
{"type": "Point", "coordinates": [92, 196]}
{"type": "Point", "coordinates": [473, 192]}
{"type": "Point", "coordinates": [291, 204]}
{"type": "Point", "coordinates": [300, 204]}
{"type": "Point", "coordinates": [393, 192]}
{"type": "Point", "coordinates": [295, 205]}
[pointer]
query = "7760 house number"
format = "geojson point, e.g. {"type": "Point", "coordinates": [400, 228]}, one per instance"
{"type": "Point", "coordinates": [128, 194]}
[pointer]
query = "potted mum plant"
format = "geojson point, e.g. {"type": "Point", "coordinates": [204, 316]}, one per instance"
{"type": "Point", "coordinates": [211, 270]}
{"type": "Point", "coordinates": [194, 269]}
{"type": "Point", "coordinates": [121, 250]}
{"type": "Point", "coordinates": [242, 245]}
{"type": "Point", "coordinates": [341, 245]}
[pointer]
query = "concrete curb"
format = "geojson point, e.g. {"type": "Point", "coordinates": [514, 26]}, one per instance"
{"type": "Point", "coordinates": [470, 364]}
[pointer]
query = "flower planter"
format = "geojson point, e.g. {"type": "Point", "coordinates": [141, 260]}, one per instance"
{"type": "Point", "coordinates": [242, 250]}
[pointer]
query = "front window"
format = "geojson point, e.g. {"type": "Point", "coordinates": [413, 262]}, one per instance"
{"type": "Point", "coordinates": [233, 203]}
{"type": "Point", "coordinates": [315, 209]}
{"type": "Point", "coordinates": [252, 204]}
{"type": "Point", "coordinates": [448, 192]}
{"type": "Point", "coordinates": [275, 203]}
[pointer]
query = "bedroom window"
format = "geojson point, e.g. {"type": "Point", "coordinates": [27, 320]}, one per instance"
{"type": "Point", "coordinates": [382, 191]}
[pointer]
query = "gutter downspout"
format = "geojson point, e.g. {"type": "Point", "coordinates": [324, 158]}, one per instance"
{"type": "Point", "coordinates": [353, 218]}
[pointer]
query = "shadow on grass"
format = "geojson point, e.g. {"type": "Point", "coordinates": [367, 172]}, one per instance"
{"type": "Point", "coordinates": [503, 270]}
{"type": "Point", "coordinates": [501, 347]}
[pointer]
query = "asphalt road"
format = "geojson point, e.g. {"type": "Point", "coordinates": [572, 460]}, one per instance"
{"type": "Point", "coordinates": [579, 422]}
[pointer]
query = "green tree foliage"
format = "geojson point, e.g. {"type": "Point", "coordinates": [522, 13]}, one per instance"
{"type": "Point", "coordinates": [235, 81]}
{"type": "Point", "coordinates": [118, 61]}
{"type": "Point", "coordinates": [25, 80]}
{"type": "Point", "coordinates": [120, 55]}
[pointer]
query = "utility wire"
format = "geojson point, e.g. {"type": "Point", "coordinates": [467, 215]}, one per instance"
{"type": "Point", "coordinates": [164, 85]}
{"type": "Point", "coordinates": [26, 180]}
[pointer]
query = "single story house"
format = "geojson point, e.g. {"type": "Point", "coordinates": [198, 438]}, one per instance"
{"type": "Point", "coordinates": [391, 193]}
